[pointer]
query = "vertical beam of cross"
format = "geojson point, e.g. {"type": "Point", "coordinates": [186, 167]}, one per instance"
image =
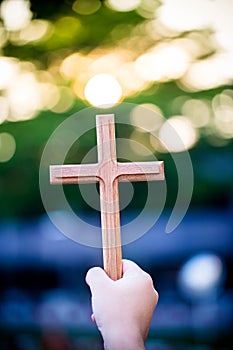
{"type": "Point", "coordinates": [109, 197]}
{"type": "Point", "coordinates": [108, 172]}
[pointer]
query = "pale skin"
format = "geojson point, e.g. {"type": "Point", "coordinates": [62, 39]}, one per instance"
{"type": "Point", "coordinates": [122, 309]}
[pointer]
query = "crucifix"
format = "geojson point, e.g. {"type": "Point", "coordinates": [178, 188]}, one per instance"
{"type": "Point", "coordinates": [108, 172]}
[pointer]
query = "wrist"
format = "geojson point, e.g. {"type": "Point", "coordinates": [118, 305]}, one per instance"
{"type": "Point", "coordinates": [124, 339]}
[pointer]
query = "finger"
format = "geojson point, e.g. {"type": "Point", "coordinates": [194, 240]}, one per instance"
{"type": "Point", "coordinates": [129, 267]}
{"type": "Point", "coordinates": [132, 271]}
{"type": "Point", "coordinates": [97, 279]}
{"type": "Point", "coordinates": [156, 295]}
{"type": "Point", "coordinates": [93, 318]}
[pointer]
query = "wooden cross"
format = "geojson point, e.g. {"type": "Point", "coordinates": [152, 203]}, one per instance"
{"type": "Point", "coordinates": [108, 172]}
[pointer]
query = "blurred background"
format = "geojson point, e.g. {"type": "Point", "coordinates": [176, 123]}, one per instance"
{"type": "Point", "coordinates": [173, 57]}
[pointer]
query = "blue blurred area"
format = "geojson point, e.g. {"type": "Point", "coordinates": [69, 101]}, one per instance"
{"type": "Point", "coordinates": [45, 303]}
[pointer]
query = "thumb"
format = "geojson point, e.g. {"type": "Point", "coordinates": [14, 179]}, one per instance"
{"type": "Point", "coordinates": [97, 279]}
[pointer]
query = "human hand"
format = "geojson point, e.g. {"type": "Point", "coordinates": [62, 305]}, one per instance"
{"type": "Point", "coordinates": [122, 309]}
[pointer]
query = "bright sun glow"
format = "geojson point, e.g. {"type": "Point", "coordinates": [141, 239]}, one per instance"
{"type": "Point", "coordinates": [103, 90]}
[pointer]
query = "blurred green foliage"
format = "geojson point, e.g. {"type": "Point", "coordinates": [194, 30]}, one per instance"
{"type": "Point", "coordinates": [19, 183]}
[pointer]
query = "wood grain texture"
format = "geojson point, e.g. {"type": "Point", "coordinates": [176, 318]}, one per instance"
{"type": "Point", "coordinates": [108, 172]}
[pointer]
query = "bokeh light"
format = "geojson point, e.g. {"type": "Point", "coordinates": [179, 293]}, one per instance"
{"type": "Point", "coordinates": [9, 67]}
{"type": "Point", "coordinates": [16, 14]}
{"type": "Point", "coordinates": [170, 61]}
{"type": "Point", "coordinates": [23, 95]}
{"type": "Point", "coordinates": [209, 73]}
{"type": "Point", "coordinates": [177, 134]}
{"type": "Point", "coordinates": [156, 64]}
{"type": "Point", "coordinates": [48, 95]}
{"type": "Point", "coordinates": [103, 90]}
{"type": "Point", "coordinates": [147, 117]}
{"type": "Point", "coordinates": [224, 120]}
{"type": "Point", "coordinates": [188, 15]}
{"type": "Point", "coordinates": [198, 111]}
{"type": "Point", "coordinates": [64, 102]}
{"type": "Point", "coordinates": [225, 98]}
{"type": "Point", "coordinates": [4, 109]}
{"type": "Point", "coordinates": [123, 6]}
{"type": "Point", "coordinates": [36, 30]}
{"type": "Point", "coordinates": [86, 7]}
{"type": "Point", "coordinates": [147, 8]}
{"type": "Point", "coordinates": [130, 80]}
{"type": "Point", "coordinates": [193, 48]}
{"type": "Point", "coordinates": [201, 276]}
{"type": "Point", "coordinates": [7, 146]}
{"type": "Point", "coordinates": [138, 146]}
